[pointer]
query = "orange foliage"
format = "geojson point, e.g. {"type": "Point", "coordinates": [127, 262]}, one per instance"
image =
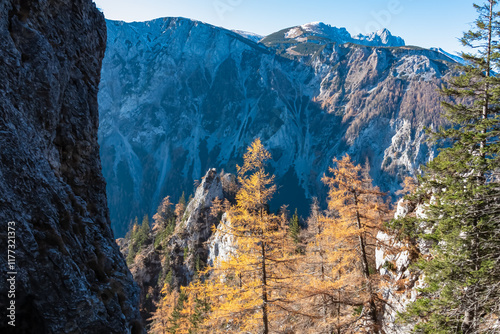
{"type": "Point", "coordinates": [249, 289]}
{"type": "Point", "coordinates": [341, 283]}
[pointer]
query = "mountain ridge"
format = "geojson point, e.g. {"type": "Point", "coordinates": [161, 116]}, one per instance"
{"type": "Point", "coordinates": [379, 38]}
{"type": "Point", "coordinates": [179, 101]}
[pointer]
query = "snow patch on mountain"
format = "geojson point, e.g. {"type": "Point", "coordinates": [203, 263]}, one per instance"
{"type": "Point", "coordinates": [454, 57]}
{"type": "Point", "coordinates": [249, 35]}
{"type": "Point", "coordinates": [340, 35]}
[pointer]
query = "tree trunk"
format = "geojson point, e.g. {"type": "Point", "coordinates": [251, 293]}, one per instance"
{"type": "Point", "coordinates": [366, 269]}
{"type": "Point", "coordinates": [265, 321]}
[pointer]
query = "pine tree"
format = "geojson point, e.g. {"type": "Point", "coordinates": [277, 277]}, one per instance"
{"type": "Point", "coordinates": [178, 312]}
{"type": "Point", "coordinates": [295, 228]}
{"type": "Point", "coordinates": [143, 233]}
{"type": "Point", "coordinates": [138, 237]}
{"type": "Point", "coordinates": [462, 213]}
{"type": "Point", "coordinates": [198, 310]}
{"type": "Point", "coordinates": [164, 222]}
{"type": "Point", "coordinates": [161, 319]}
{"type": "Point", "coordinates": [164, 212]}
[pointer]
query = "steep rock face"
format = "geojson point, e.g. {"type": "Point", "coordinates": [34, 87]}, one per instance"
{"type": "Point", "coordinates": [175, 261]}
{"type": "Point", "coordinates": [71, 277]}
{"type": "Point", "coordinates": [220, 245]}
{"type": "Point", "coordinates": [146, 270]}
{"type": "Point", "coordinates": [186, 246]}
{"type": "Point", "coordinates": [179, 96]}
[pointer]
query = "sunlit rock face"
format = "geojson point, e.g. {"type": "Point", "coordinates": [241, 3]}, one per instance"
{"type": "Point", "coordinates": [178, 97]}
{"type": "Point", "coordinates": [177, 259]}
{"type": "Point", "coordinates": [394, 260]}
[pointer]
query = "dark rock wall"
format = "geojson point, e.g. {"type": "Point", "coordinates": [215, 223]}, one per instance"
{"type": "Point", "coordinates": [71, 277]}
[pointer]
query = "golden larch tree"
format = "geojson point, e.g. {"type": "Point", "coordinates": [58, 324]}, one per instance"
{"type": "Point", "coordinates": [341, 281]}
{"type": "Point", "coordinates": [175, 311]}
{"type": "Point", "coordinates": [249, 289]}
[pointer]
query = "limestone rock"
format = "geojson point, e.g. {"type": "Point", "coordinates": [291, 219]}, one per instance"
{"type": "Point", "coordinates": [393, 259]}
{"type": "Point", "coordinates": [192, 233]}
{"type": "Point", "coordinates": [221, 244]}
{"type": "Point", "coordinates": [176, 259]}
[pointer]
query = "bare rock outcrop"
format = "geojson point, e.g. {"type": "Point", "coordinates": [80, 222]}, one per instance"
{"type": "Point", "coordinates": [175, 259]}
{"type": "Point", "coordinates": [393, 260]}
{"type": "Point", "coordinates": [70, 276]}
{"type": "Point", "coordinates": [187, 245]}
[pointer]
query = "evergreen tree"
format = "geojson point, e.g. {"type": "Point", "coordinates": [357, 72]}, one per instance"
{"type": "Point", "coordinates": [138, 237]}
{"type": "Point", "coordinates": [174, 313]}
{"type": "Point", "coordinates": [143, 234]}
{"type": "Point", "coordinates": [295, 228]}
{"type": "Point", "coordinates": [462, 211]}
{"type": "Point", "coordinates": [164, 213]}
{"type": "Point", "coordinates": [160, 321]}
{"type": "Point", "coordinates": [164, 222]}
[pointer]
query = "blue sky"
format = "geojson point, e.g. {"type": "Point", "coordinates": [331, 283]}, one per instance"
{"type": "Point", "coordinates": [426, 23]}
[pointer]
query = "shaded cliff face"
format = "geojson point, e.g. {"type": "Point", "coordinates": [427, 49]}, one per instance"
{"type": "Point", "coordinates": [70, 275]}
{"type": "Point", "coordinates": [179, 97]}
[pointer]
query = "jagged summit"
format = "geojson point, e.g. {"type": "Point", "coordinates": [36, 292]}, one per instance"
{"type": "Point", "coordinates": [322, 33]}
{"type": "Point", "coordinates": [381, 37]}
{"type": "Point", "coordinates": [320, 29]}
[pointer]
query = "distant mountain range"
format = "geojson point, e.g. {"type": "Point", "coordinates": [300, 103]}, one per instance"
{"type": "Point", "coordinates": [178, 97]}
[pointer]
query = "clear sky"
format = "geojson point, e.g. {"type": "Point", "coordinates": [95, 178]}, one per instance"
{"type": "Point", "coordinates": [426, 23]}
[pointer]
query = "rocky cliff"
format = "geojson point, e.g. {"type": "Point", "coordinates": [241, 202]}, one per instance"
{"type": "Point", "coordinates": [175, 258]}
{"type": "Point", "coordinates": [69, 275]}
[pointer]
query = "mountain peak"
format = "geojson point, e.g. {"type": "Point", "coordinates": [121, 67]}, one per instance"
{"type": "Point", "coordinates": [323, 33]}
{"type": "Point", "coordinates": [320, 27]}
{"type": "Point", "coordinates": [382, 37]}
